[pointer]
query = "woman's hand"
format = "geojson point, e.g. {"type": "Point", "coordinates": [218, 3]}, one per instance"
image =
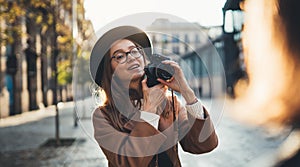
{"type": "Point", "coordinates": [179, 83]}
{"type": "Point", "coordinates": [153, 97]}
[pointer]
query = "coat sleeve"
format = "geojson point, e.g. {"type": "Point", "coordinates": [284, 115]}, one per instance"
{"type": "Point", "coordinates": [197, 135]}
{"type": "Point", "coordinates": [135, 148]}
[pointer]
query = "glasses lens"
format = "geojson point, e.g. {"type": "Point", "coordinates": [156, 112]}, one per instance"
{"type": "Point", "coordinates": [120, 57]}
{"type": "Point", "coordinates": [135, 52]}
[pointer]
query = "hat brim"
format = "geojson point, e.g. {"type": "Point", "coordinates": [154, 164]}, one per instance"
{"type": "Point", "coordinates": [104, 43]}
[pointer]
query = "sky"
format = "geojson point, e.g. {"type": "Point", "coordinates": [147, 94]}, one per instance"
{"type": "Point", "coordinates": [204, 12]}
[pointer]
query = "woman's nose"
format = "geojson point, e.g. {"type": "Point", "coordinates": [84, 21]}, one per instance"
{"type": "Point", "coordinates": [130, 58]}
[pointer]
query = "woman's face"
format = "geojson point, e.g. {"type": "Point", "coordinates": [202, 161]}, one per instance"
{"type": "Point", "coordinates": [133, 68]}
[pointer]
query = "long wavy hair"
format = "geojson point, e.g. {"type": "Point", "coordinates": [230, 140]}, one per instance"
{"type": "Point", "coordinates": [119, 95]}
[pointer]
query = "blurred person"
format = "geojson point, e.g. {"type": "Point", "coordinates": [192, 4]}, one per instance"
{"type": "Point", "coordinates": [140, 125]}
{"type": "Point", "coordinates": [272, 49]}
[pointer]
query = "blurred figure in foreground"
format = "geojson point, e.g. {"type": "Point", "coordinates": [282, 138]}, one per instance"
{"type": "Point", "coordinates": [272, 48]}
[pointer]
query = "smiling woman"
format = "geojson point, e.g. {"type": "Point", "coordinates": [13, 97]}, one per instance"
{"type": "Point", "coordinates": [128, 60]}
{"type": "Point", "coordinates": [139, 125]}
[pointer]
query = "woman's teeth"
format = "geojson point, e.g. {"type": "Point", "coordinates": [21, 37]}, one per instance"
{"type": "Point", "coordinates": [133, 67]}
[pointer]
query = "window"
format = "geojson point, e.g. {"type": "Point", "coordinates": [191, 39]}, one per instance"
{"type": "Point", "coordinates": [197, 38]}
{"type": "Point", "coordinates": [204, 65]}
{"type": "Point", "coordinates": [154, 39]}
{"type": "Point", "coordinates": [186, 38]}
{"type": "Point", "coordinates": [186, 47]}
{"type": "Point", "coordinates": [175, 38]}
{"type": "Point", "coordinates": [164, 38]}
{"type": "Point", "coordinates": [189, 64]}
{"type": "Point", "coordinates": [175, 49]}
{"type": "Point", "coordinates": [164, 41]}
{"type": "Point", "coordinates": [197, 67]}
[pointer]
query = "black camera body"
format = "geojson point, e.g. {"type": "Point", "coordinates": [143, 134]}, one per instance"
{"type": "Point", "coordinates": [156, 69]}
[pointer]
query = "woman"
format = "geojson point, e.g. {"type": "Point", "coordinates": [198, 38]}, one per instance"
{"type": "Point", "coordinates": [137, 125]}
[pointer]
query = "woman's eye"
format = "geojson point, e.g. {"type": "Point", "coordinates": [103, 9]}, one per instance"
{"type": "Point", "coordinates": [120, 56]}
{"type": "Point", "coordinates": [134, 52]}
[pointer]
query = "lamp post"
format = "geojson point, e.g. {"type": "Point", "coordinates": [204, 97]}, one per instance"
{"type": "Point", "coordinates": [0, 61]}
{"type": "Point", "coordinates": [54, 73]}
{"type": "Point", "coordinates": [74, 51]}
{"type": "Point", "coordinates": [0, 54]}
{"type": "Point", "coordinates": [232, 27]}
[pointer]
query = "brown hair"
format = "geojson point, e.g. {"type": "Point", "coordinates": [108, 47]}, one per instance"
{"type": "Point", "coordinates": [108, 83]}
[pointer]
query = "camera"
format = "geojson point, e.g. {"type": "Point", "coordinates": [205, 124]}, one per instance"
{"type": "Point", "coordinates": [156, 69]}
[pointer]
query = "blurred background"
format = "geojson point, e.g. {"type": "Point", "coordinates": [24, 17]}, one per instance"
{"type": "Point", "coordinates": [41, 42]}
{"type": "Point", "coordinates": [45, 87]}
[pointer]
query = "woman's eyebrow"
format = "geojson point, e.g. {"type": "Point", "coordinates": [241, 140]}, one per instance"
{"type": "Point", "coordinates": [118, 50]}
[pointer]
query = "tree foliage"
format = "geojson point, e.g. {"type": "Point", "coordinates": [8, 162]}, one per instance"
{"type": "Point", "coordinates": [10, 11]}
{"type": "Point", "coordinates": [43, 14]}
{"type": "Point", "coordinates": [64, 72]}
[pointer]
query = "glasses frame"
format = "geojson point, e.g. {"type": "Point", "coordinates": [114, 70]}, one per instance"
{"type": "Point", "coordinates": [140, 50]}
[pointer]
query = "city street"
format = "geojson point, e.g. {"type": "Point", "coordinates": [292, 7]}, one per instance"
{"type": "Point", "coordinates": [23, 139]}
{"type": "Point", "coordinates": [75, 52]}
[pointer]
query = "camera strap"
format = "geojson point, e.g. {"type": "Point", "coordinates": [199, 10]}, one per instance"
{"type": "Point", "coordinates": [175, 123]}
{"type": "Point", "coordinates": [173, 106]}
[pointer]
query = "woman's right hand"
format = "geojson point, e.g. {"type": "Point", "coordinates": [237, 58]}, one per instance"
{"type": "Point", "coordinates": [153, 97]}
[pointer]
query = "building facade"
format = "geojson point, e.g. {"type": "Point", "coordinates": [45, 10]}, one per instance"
{"type": "Point", "coordinates": [39, 66]}
{"type": "Point", "coordinates": [191, 45]}
{"type": "Point", "coordinates": [176, 37]}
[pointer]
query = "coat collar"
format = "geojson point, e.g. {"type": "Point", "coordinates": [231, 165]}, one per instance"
{"type": "Point", "coordinates": [131, 123]}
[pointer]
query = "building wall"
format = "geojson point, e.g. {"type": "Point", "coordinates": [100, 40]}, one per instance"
{"type": "Point", "coordinates": [206, 70]}
{"type": "Point", "coordinates": [44, 51]}
{"type": "Point", "coordinates": [189, 44]}
{"type": "Point", "coordinates": [177, 38]}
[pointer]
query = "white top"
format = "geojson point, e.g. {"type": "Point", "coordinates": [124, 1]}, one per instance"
{"type": "Point", "coordinates": [195, 109]}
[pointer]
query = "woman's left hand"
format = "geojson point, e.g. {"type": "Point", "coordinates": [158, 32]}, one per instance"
{"type": "Point", "coordinates": [178, 82]}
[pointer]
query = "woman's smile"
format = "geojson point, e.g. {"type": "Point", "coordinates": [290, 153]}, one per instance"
{"type": "Point", "coordinates": [134, 66]}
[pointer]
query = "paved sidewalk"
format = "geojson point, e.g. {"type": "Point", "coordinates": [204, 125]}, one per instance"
{"type": "Point", "coordinates": [23, 136]}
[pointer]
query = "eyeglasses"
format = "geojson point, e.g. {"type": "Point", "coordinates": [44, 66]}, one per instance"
{"type": "Point", "coordinates": [121, 57]}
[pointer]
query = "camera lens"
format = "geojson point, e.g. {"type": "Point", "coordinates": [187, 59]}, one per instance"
{"type": "Point", "coordinates": [164, 71]}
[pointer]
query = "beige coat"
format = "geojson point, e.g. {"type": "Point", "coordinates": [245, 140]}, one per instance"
{"type": "Point", "coordinates": [139, 144]}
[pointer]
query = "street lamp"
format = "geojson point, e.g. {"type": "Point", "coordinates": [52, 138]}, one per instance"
{"type": "Point", "coordinates": [0, 61]}
{"type": "Point", "coordinates": [54, 68]}
{"type": "Point", "coordinates": [232, 27]}
{"type": "Point", "coordinates": [0, 55]}
{"type": "Point", "coordinates": [233, 19]}
{"type": "Point", "coordinates": [74, 36]}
